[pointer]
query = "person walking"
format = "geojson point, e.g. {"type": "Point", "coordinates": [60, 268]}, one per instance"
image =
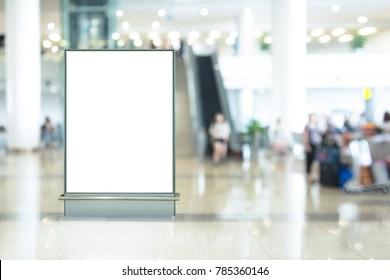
{"type": "Point", "coordinates": [311, 138]}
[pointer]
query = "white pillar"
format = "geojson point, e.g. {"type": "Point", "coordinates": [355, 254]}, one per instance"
{"type": "Point", "coordinates": [289, 63]}
{"type": "Point", "coordinates": [246, 49]}
{"type": "Point", "coordinates": [23, 73]}
{"type": "Point", "coordinates": [246, 43]}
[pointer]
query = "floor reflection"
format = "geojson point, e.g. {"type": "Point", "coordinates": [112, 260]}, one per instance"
{"type": "Point", "coordinates": [263, 209]}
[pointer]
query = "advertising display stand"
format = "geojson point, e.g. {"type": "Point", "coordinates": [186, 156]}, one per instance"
{"type": "Point", "coordinates": [119, 133]}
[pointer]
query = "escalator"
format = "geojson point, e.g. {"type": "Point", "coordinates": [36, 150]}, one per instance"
{"type": "Point", "coordinates": [211, 96]}
{"type": "Point", "coordinates": [208, 92]}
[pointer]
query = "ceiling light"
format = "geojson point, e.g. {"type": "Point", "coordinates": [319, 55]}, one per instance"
{"type": "Point", "coordinates": [194, 34]}
{"type": "Point", "coordinates": [362, 19]}
{"type": "Point", "coordinates": [173, 35]}
{"type": "Point", "coordinates": [125, 24]}
{"type": "Point", "coordinates": [338, 31]}
{"type": "Point", "coordinates": [204, 11]}
{"type": "Point", "coordinates": [345, 38]}
{"type": "Point", "coordinates": [138, 42]}
{"type": "Point", "coordinates": [268, 40]}
{"type": "Point", "coordinates": [115, 36]}
{"type": "Point", "coordinates": [215, 34]}
{"type": "Point", "coordinates": [121, 43]}
{"type": "Point", "coordinates": [317, 32]}
{"type": "Point", "coordinates": [134, 35]}
{"type": "Point", "coordinates": [51, 26]}
{"type": "Point", "coordinates": [157, 42]}
{"type": "Point", "coordinates": [54, 49]}
{"type": "Point", "coordinates": [161, 12]}
{"type": "Point", "coordinates": [119, 13]}
{"type": "Point", "coordinates": [210, 41]}
{"type": "Point", "coordinates": [335, 8]}
{"type": "Point", "coordinates": [47, 44]}
{"type": "Point", "coordinates": [55, 37]}
{"type": "Point", "coordinates": [257, 33]}
{"type": "Point", "coordinates": [230, 41]}
{"type": "Point", "coordinates": [365, 31]}
{"type": "Point", "coordinates": [155, 24]}
{"type": "Point", "coordinates": [325, 39]}
{"type": "Point", "coordinates": [175, 43]}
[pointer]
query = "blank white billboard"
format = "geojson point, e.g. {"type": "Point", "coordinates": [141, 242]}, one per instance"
{"type": "Point", "coordinates": [119, 118]}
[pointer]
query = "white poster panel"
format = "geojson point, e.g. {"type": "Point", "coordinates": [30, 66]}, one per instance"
{"type": "Point", "coordinates": [119, 119]}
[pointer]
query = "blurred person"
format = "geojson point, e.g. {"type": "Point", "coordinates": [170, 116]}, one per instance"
{"type": "Point", "coordinates": [386, 123]}
{"type": "Point", "coordinates": [331, 137]}
{"type": "Point", "coordinates": [348, 133]}
{"type": "Point", "coordinates": [180, 51]}
{"type": "Point", "coordinates": [280, 140]}
{"type": "Point", "coordinates": [322, 122]}
{"type": "Point", "coordinates": [347, 127]}
{"type": "Point", "coordinates": [47, 133]}
{"type": "Point", "coordinates": [219, 131]}
{"type": "Point", "coordinates": [329, 156]}
{"type": "Point", "coordinates": [152, 45]}
{"type": "Point", "coordinates": [3, 140]}
{"type": "Point", "coordinates": [168, 46]}
{"type": "Point", "coordinates": [311, 139]}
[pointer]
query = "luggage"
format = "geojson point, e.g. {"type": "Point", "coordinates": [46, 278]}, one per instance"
{"type": "Point", "coordinates": [345, 174]}
{"type": "Point", "coordinates": [366, 179]}
{"type": "Point", "coordinates": [329, 158]}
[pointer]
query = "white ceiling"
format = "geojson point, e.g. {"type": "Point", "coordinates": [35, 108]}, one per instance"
{"type": "Point", "coordinates": [183, 15]}
{"type": "Point", "coordinates": [224, 14]}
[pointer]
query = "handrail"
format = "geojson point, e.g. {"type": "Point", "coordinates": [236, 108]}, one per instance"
{"type": "Point", "coordinates": [194, 98]}
{"type": "Point", "coordinates": [235, 144]}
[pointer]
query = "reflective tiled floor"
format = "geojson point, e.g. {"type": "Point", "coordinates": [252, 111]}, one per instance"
{"type": "Point", "coordinates": [265, 210]}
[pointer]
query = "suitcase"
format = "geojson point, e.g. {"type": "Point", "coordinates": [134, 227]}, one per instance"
{"type": "Point", "coordinates": [329, 158]}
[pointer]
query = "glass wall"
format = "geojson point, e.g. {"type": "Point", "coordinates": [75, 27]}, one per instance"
{"type": "Point", "coordinates": [87, 24]}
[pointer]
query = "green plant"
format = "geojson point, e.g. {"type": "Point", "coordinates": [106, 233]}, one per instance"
{"type": "Point", "coordinates": [358, 41]}
{"type": "Point", "coordinates": [254, 127]}
{"type": "Point", "coordinates": [264, 46]}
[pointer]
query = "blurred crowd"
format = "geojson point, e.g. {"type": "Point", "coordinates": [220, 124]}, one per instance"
{"type": "Point", "coordinates": [330, 144]}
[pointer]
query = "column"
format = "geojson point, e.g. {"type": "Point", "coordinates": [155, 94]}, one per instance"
{"type": "Point", "coordinates": [289, 63]}
{"type": "Point", "coordinates": [23, 73]}
{"type": "Point", "coordinates": [289, 93]}
{"type": "Point", "coordinates": [246, 49]}
{"type": "Point", "coordinates": [245, 39]}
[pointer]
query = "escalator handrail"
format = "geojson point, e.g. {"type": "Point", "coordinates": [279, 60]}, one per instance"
{"type": "Point", "coordinates": [193, 94]}
{"type": "Point", "coordinates": [235, 144]}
